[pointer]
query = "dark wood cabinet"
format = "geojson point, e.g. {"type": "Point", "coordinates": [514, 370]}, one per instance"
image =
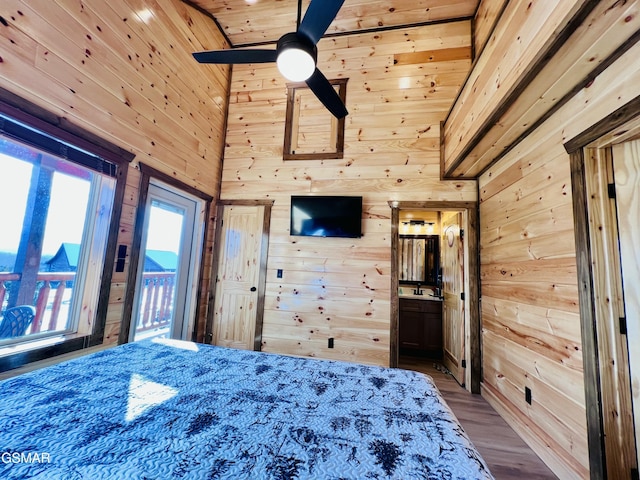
{"type": "Point", "coordinates": [421, 327]}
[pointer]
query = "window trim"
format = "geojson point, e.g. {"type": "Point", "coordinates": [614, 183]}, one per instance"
{"type": "Point", "coordinates": [61, 129]}
{"type": "Point", "coordinates": [292, 124]}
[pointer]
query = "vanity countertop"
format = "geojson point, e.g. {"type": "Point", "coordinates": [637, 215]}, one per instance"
{"type": "Point", "coordinates": [427, 294]}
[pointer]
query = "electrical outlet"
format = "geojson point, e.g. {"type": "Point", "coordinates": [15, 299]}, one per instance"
{"type": "Point", "coordinates": [122, 256]}
{"type": "Point", "coordinates": [331, 342]}
{"type": "Point", "coordinates": [527, 395]}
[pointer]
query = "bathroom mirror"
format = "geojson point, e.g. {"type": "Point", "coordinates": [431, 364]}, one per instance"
{"type": "Point", "coordinates": [419, 258]}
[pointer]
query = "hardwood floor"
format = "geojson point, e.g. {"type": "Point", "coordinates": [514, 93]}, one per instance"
{"type": "Point", "coordinates": [506, 454]}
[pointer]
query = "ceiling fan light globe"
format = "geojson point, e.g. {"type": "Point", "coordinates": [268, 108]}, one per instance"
{"type": "Point", "coordinates": [296, 64]}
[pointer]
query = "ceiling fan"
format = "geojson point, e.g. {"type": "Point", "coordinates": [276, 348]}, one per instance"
{"type": "Point", "coordinates": [295, 54]}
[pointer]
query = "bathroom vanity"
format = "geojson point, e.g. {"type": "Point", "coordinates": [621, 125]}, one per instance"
{"type": "Point", "coordinates": [420, 312]}
{"type": "Point", "coordinates": [420, 329]}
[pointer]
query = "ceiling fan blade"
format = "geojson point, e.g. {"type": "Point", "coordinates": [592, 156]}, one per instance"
{"type": "Point", "coordinates": [233, 55]}
{"type": "Point", "coordinates": [325, 92]}
{"type": "Point", "coordinates": [318, 17]}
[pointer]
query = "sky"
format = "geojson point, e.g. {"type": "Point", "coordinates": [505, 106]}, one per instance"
{"type": "Point", "coordinates": [165, 229]}
{"type": "Point", "coordinates": [67, 208]}
{"type": "Point", "coordinates": [65, 222]}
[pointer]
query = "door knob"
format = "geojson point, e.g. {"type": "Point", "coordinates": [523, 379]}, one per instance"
{"type": "Point", "coordinates": [253, 289]}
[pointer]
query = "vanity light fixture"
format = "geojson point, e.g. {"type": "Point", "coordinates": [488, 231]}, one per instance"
{"type": "Point", "coordinates": [417, 227]}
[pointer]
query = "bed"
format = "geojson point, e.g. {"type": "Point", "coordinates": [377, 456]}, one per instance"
{"type": "Point", "coordinates": [166, 409]}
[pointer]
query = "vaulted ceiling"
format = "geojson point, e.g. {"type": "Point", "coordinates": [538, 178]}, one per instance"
{"type": "Point", "coordinates": [250, 22]}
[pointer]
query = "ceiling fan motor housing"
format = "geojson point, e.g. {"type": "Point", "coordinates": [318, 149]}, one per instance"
{"type": "Point", "coordinates": [297, 56]}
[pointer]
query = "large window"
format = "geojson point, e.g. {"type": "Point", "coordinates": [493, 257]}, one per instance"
{"type": "Point", "coordinates": [56, 207]}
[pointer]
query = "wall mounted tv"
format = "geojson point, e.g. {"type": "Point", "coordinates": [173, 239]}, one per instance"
{"type": "Point", "coordinates": [326, 216]}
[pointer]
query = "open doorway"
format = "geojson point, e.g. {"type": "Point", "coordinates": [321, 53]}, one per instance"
{"type": "Point", "coordinates": [605, 166]}
{"type": "Point", "coordinates": [456, 285]}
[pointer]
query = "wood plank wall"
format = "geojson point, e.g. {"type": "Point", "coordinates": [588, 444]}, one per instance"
{"type": "Point", "coordinates": [123, 70]}
{"type": "Point", "coordinates": [531, 324]}
{"type": "Point", "coordinates": [538, 55]}
{"type": "Point", "coordinates": [485, 18]}
{"type": "Point", "coordinates": [524, 30]}
{"type": "Point", "coordinates": [332, 287]}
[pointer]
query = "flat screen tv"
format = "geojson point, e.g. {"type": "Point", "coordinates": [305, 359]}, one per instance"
{"type": "Point", "coordinates": [326, 216]}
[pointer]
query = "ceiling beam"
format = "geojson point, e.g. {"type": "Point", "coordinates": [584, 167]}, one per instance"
{"type": "Point", "coordinates": [214, 19]}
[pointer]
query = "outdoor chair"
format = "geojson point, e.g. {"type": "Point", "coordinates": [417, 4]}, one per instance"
{"type": "Point", "coordinates": [16, 320]}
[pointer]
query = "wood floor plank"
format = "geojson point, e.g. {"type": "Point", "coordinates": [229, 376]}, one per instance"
{"type": "Point", "coordinates": [506, 454]}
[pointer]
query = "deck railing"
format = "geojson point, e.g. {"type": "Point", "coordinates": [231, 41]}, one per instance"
{"type": "Point", "coordinates": [47, 309]}
{"type": "Point", "coordinates": [53, 294]}
{"type": "Point", "coordinates": [156, 301]}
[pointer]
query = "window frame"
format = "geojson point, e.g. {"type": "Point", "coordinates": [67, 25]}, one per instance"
{"type": "Point", "coordinates": [33, 116]}
{"type": "Point", "coordinates": [292, 123]}
{"type": "Point", "coordinates": [86, 282]}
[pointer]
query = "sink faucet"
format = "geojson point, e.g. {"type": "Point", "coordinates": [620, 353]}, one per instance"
{"type": "Point", "coordinates": [417, 291]}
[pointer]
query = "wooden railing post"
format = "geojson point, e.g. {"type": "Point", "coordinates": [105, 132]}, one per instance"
{"type": "Point", "coordinates": [57, 301]}
{"type": "Point", "coordinates": [157, 301]}
{"type": "Point", "coordinates": [3, 292]}
{"type": "Point", "coordinates": [156, 297]}
{"type": "Point", "coordinates": [41, 305]}
{"type": "Point", "coordinates": [167, 296]}
{"type": "Point", "coordinates": [148, 290]}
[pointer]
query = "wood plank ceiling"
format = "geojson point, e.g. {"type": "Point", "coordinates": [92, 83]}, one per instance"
{"type": "Point", "coordinates": [254, 22]}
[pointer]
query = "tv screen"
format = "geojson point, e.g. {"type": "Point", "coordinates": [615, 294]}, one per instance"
{"type": "Point", "coordinates": [326, 216]}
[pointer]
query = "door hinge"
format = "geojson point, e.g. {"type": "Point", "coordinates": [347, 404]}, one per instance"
{"type": "Point", "coordinates": [462, 296]}
{"type": "Point", "coordinates": [461, 234]}
{"type": "Point", "coordinates": [611, 190]}
{"type": "Point", "coordinates": [463, 363]}
{"type": "Point", "coordinates": [623, 325]}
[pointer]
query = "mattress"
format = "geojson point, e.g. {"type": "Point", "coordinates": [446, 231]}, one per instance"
{"type": "Point", "coordinates": [165, 409]}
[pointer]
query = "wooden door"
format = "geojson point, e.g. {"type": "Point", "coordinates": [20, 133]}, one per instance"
{"type": "Point", "coordinates": [452, 271]}
{"type": "Point", "coordinates": [238, 276]}
{"type": "Point", "coordinates": [626, 167]}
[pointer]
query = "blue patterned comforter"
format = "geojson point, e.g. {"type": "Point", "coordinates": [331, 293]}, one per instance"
{"type": "Point", "coordinates": [165, 409]}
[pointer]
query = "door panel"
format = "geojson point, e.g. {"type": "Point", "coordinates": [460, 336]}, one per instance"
{"type": "Point", "coordinates": [238, 276]}
{"type": "Point", "coordinates": [169, 260]}
{"type": "Point", "coordinates": [452, 270]}
{"type": "Point", "coordinates": [626, 166]}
